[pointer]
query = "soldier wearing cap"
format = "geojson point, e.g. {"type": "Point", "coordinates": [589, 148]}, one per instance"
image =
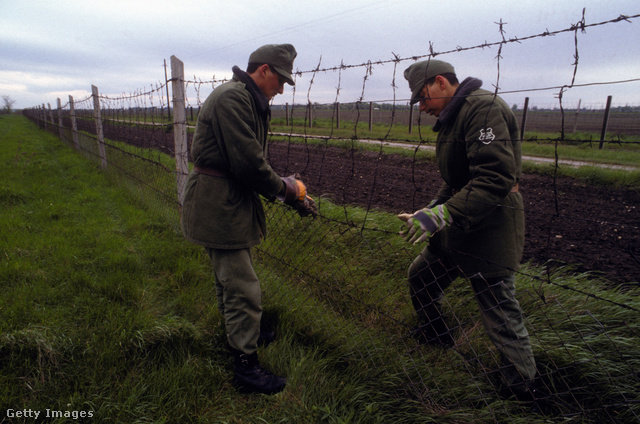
{"type": "Point", "coordinates": [474, 227]}
{"type": "Point", "coordinates": [222, 208]}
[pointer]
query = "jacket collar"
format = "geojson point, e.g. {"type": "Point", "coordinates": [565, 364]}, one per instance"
{"type": "Point", "coordinates": [262, 102]}
{"type": "Point", "coordinates": [450, 112]}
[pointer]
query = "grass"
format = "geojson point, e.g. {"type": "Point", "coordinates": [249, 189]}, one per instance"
{"type": "Point", "coordinates": [107, 309]}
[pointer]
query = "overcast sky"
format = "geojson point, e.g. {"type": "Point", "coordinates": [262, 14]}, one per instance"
{"type": "Point", "coordinates": [51, 49]}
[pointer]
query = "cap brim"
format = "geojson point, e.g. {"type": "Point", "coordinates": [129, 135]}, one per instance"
{"type": "Point", "coordinates": [286, 75]}
{"type": "Point", "coordinates": [415, 96]}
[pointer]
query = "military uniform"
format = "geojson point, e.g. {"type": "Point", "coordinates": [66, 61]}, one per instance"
{"type": "Point", "coordinates": [222, 209]}
{"type": "Point", "coordinates": [478, 154]}
{"type": "Point", "coordinates": [224, 212]}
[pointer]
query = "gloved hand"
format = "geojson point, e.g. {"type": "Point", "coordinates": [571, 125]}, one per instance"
{"type": "Point", "coordinates": [434, 202]}
{"type": "Point", "coordinates": [428, 220]}
{"type": "Point", "coordinates": [295, 195]}
{"type": "Point", "coordinates": [306, 207]}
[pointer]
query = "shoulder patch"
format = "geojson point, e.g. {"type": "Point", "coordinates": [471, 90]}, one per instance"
{"type": "Point", "coordinates": [486, 135]}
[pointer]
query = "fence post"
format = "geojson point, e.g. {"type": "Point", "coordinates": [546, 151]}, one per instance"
{"type": "Point", "coordinates": [310, 114]}
{"type": "Point", "coordinates": [286, 114]}
{"type": "Point", "coordinates": [575, 122]}
{"type": "Point", "coordinates": [44, 117]}
{"type": "Point", "coordinates": [605, 122]}
{"type": "Point", "coordinates": [51, 121]}
{"type": "Point", "coordinates": [74, 124]}
{"type": "Point", "coordinates": [97, 115]}
{"type": "Point", "coordinates": [167, 86]}
{"type": "Point", "coordinates": [370, 116]}
{"type": "Point", "coordinates": [60, 119]}
{"type": "Point", "coordinates": [338, 115]}
{"type": "Point", "coordinates": [524, 118]}
{"type": "Point", "coordinates": [410, 118]}
{"type": "Point", "coordinates": [179, 126]}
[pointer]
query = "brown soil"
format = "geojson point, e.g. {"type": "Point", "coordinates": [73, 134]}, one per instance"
{"type": "Point", "coordinates": [594, 228]}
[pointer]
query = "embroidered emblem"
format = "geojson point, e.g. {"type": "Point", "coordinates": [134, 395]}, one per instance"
{"type": "Point", "coordinates": [486, 135]}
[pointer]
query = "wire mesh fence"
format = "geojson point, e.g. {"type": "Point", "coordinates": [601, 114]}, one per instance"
{"type": "Point", "coordinates": [342, 278]}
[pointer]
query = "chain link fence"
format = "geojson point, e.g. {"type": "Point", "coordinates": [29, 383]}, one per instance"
{"type": "Point", "coordinates": [339, 280]}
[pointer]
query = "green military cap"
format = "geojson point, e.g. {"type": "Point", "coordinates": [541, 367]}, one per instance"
{"type": "Point", "coordinates": [418, 74]}
{"type": "Point", "coordinates": [279, 57]}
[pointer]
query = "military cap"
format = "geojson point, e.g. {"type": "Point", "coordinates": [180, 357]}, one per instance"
{"type": "Point", "coordinates": [279, 57]}
{"type": "Point", "coordinates": [420, 72]}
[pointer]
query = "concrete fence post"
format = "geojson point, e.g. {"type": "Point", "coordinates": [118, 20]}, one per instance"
{"type": "Point", "coordinates": [97, 115]}
{"type": "Point", "coordinates": [50, 115]}
{"type": "Point", "coordinates": [44, 117]}
{"type": "Point", "coordinates": [523, 126]}
{"type": "Point", "coordinates": [60, 132]}
{"type": "Point", "coordinates": [74, 123]}
{"type": "Point", "coordinates": [179, 126]}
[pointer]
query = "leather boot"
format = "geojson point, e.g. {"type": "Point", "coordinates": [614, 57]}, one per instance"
{"type": "Point", "coordinates": [250, 377]}
{"type": "Point", "coordinates": [266, 337]}
{"type": "Point", "coordinates": [435, 333]}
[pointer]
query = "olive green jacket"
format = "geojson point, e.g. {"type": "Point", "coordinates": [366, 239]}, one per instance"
{"type": "Point", "coordinates": [230, 137]}
{"type": "Point", "coordinates": [479, 156]}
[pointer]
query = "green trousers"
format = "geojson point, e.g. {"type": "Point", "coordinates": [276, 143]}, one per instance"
{"type": "Point", "coordinates": [239, 297]}
{"type": "Point", "coordinates": [429, 275]}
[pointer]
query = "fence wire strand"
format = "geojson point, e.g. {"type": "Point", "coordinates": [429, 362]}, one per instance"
{"type": "Point", "coordinates": [343, 275]}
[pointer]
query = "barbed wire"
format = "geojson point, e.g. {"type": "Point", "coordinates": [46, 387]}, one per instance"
{"type": "Point", "coordinates": [318, 264]}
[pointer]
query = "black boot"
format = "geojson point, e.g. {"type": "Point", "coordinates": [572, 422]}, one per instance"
{"type": "Point", "coordinates": [250, 377]}
{"type": "Point", "coordinates": [435, 333]}
{"type": "Point", "coordinates": [267, 335]}
{"type": "Point", "coordinates": [529, 394]}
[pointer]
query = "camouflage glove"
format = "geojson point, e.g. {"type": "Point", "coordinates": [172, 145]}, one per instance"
{"type": "Point", "coordinates": [296, 196]}
{"type": "Point", "coordinates": [428, 220]}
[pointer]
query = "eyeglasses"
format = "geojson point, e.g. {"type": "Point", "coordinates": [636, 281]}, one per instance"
{"type": "Point", "coordinates": [281, 79]}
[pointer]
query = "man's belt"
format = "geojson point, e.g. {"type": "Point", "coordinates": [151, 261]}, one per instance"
{"type": "Point", "coordinates": [210, 171]}
{"type": "Point", "coordinates": [514, 189]}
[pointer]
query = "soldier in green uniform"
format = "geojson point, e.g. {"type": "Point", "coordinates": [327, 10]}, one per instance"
{"type": "Point", "coordinates": [475, 225]}
{"type": "Point", "coordinates": [222, 208]}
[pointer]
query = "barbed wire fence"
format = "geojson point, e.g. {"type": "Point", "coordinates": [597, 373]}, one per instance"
{"type": "Point", "coordinates": [341, 278]}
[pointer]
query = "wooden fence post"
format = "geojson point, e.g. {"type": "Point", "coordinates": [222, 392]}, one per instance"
{"type": "Point", "coordinates": [51, 121]}
{"type": "Point", "coordinates": [338, 115]}
{"type": "Point", "coordinates": [167, 87]}
{"type": "Point", "coordinates": [605, 122]}
{"type": "Point", "coordinates": [44, 117]}
{"type": "Point", "coordinates": [370, 116]}
{"type": "Point", "coordinates": [74, 123]}
{"type": "Point", "coordinates": [97, 115]}
{"type": "Point", "coordinates": [179, 126]}
{"type": "Point", "coordinates": [60, 119]}
{"type": "Point", "coordinates": [524, 118]}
